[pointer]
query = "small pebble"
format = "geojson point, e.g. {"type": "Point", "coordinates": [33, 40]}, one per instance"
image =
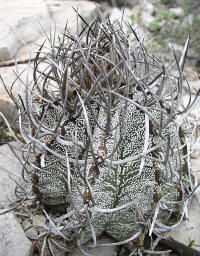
{"type": "Point", "coordinates": [195, 155]}
{"type": "Point", "coordinates": [38, 220]}
{"type": "Point", "coordinates": [26, 224]}
{"type": "Point", "coordinates": [31, 233]}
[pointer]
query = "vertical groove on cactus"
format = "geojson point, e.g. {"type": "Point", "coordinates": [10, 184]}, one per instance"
{"type": "Point", "coordinates": [104, 136]}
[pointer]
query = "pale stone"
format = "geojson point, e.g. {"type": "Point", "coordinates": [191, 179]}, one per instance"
{"type": "Point", "coordinates": [29, 51]}
{"type": "Point", "coordinates": [177, 12]}
{"type": "Point", "coordinates": [196, 168]}
{"type": "Point", "coordinates": [62, 12]}
{"type": "Point", "coordinates": [9, 111]}
{"type": "Point", "coordinates": [147, 6]}
{"type": "Point", "coordinates": [26, 224]}
{"type": "Point", "coordinates": [195, 155]}
{"type": "Point", "coordinates": [117, 14]}
{"type": "Point", "coordinates": [31, 233]}
{"type": "Point", "coordinates": [21, 22]}
{"type": "Point", "coordinates": [26, 33]}
{"type": "Point", "coordinates": [146, 19]}
{"type": "Point", "coordinates": [10, 167]}
{"type": "Point", "coordinates": [13, 241]}
{"type": "Point", "coordinates": [9, 46]}
{"type": "Point", "coordinates": [38, 220]}
{"type": "Point", "coordinates": [7, 107]}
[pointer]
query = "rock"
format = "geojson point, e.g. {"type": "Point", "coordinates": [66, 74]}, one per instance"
{"type": "Point", "coordinates": [147, 19]}
{"type": "Point", "coordinates": [177, 12]}
{"type": "Point", "coordinates": [9, 111]}
{"type": "Point", "coordinates": [181, 240]}
{"type": "Point", "coordinates": [38, 220]}
{"type": "Point", "coordinates": [26, 224]}
{"type": "Point", "coordinates": [195, 155]}
{"type": "Point", "coordinates": [13, 241]}
{"type": "Point", "coordinates": [196, 168]}
{"type": "Point", "coordinates": [61, 12]}
{"type": "Point", "coordinates": [7, 185]}
{"type": "Point", "coordinates": [139, 14]}
{"type": "Point", "coordinates": [9, 46]}
{"type": "Point", "coordinates": [116, 14]}
{"type": "Point", "coordinates": [147, 6]}
{"type": "Point", "coordinates": [21, 22]}
{"type": "Point", "coordinates": [26, 53]}
{"type": "Point", "coordinates": [31, 233]}
{"type": "Point", "coordinates": [7, 107]}
{"type": "Point", "coordinates": [99, 251]}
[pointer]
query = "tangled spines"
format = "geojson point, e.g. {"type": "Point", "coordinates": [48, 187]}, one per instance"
{"type": "Point", "coordinates": [103, 123]}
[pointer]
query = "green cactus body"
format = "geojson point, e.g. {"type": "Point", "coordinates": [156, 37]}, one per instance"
{"type": "Point", "coordinates": [123, 183]}
{"type": "Point", "coordinates": [112, 185]}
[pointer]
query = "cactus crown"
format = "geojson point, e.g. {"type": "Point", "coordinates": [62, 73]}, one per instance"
{"type": "Point", "coordinates": [103, 131]}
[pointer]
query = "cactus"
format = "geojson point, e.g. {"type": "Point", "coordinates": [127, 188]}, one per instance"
{"type": "Point", "coordinates": [105, 135]}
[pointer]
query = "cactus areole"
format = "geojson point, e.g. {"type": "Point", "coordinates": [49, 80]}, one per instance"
{"type": "Point", "coordinates": [105, 134]}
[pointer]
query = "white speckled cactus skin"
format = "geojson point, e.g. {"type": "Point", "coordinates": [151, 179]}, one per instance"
{"type": "Point", "coordinates": [103, 126]}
